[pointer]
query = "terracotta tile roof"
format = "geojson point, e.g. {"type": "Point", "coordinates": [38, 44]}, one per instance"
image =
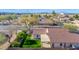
{"type": "Point", "coordinates": [62, 35]}
{"type": "Point", "coordinates": [58, 35]}
{"type": "Point", "coordinates": [39, 31]}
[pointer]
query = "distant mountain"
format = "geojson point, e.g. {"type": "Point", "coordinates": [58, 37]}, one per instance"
{"type": "Point", "coordinates": [25, 10]}
{"type": "Point", "coordinates": [66, 11]}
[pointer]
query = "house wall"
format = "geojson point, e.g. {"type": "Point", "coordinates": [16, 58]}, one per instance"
{"type": "Point", "coordinates": [64, 45]}
{"type": "Point", "coordinates": [59, 45]}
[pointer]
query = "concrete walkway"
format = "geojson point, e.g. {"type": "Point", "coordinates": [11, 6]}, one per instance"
{"type": "Point", "coordinates": [45, 41]}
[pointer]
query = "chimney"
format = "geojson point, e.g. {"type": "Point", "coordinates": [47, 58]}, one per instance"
{"type": "Point", "coordinates": [47, 30]}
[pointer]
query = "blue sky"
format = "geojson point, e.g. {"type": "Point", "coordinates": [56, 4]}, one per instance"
{"type": "Point", "coordinates": [40, 10]}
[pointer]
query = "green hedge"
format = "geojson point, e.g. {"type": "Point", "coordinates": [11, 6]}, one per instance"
{"type": "Point", "coordinates": [32, 44]}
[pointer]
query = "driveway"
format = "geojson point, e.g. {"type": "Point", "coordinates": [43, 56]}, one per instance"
{"type": "Point", "coordinates": [45, 41]}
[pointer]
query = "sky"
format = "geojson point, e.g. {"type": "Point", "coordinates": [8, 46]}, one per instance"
{"type": "Point", "coordinates": [40, 10]}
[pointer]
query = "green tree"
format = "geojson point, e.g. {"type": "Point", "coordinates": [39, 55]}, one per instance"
{"type": "Point", "coordinates": [76, 16]}
{"type": "Point", "coordinates": [71, 19]}
{"type": "Point", "coordinates": [21, 35]}
{"type": "Point", "coordinates": [54, 13]}
{"type": "Point", "coordinates": [29, 20]}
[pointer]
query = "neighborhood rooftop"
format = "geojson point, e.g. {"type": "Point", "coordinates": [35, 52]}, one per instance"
{"type": "Point", "coordinates": [59, 35]}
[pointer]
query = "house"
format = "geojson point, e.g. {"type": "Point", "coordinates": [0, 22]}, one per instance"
{"type": "Point", "coordinates": [62, 38]}
{"type": "Point", "coordinates": [76, 22]}
{"type": "Point", "coordinates": [64, 18]}
{"type": "Point", "coordinates": [41, 33]}
{"type": "Point", "coordinates": [59, 37]}
{"type": "Point", "coordinates": [36, 32]}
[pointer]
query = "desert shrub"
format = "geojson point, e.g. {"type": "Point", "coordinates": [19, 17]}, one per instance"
{"type": "Point", "coordinates": [70, 27]}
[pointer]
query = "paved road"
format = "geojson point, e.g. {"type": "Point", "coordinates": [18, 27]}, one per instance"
{"type": "Point", "coordinates": [11, 27]}
{"type": "Point", "coordinates": [17, 27]}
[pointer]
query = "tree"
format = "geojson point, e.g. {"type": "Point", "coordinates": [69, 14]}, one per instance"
{"type": "Point", "coordinates": [21, 35]}
{"type": "Point", "coordinates": [76, 16]}
{"type": "Point", "coordinates": [24, 19]}
{"type": "Point", "coordinates": [71, 19]}
{"type": "Point", "coordinates": [29, 20]}
{"type": "Point", "coordinates": [8, 17]}
{"type": "Point", "coordinates": [54, 13]}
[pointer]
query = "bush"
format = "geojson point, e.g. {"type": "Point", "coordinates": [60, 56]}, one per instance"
{"type": "Point", "coordinates": [15, 44]}
{"type": "Point", "coordinates": [70, 27]}
{"type": "Point", "coordinates": [32, 44]}
{"type": "Point", "coordinates": [29, 36]}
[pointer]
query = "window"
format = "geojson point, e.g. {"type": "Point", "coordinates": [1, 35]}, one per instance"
{"type": "Point", "coordinates": [60, 44]}
{"type": "Point", "coordinates": [37, 36]}
{"type": "Point", "coordinates": [53, 45]}
{"type": "Point", "coordinates": [70, 45]}
{"type": "Point", "coordinates": [64, 45]}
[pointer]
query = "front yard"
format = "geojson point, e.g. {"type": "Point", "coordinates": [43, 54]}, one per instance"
{"type": "Point", "coordinates": [25, 40]}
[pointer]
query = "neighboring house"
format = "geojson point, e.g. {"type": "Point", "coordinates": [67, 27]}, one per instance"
{"type": "Point", "coordinates": [59, 37]}
{"type": "Point", "coordinates": [64, 18]}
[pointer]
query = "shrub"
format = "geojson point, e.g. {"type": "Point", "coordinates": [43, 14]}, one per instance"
{"type": "Point", "coordinates": [32, 44]}
{"type": "Point", "coordinates": [70, 27]}
{"type": "Point", "coordinates": [15, 44]}
{"type": "Point", "coordinates": [29, 36]}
